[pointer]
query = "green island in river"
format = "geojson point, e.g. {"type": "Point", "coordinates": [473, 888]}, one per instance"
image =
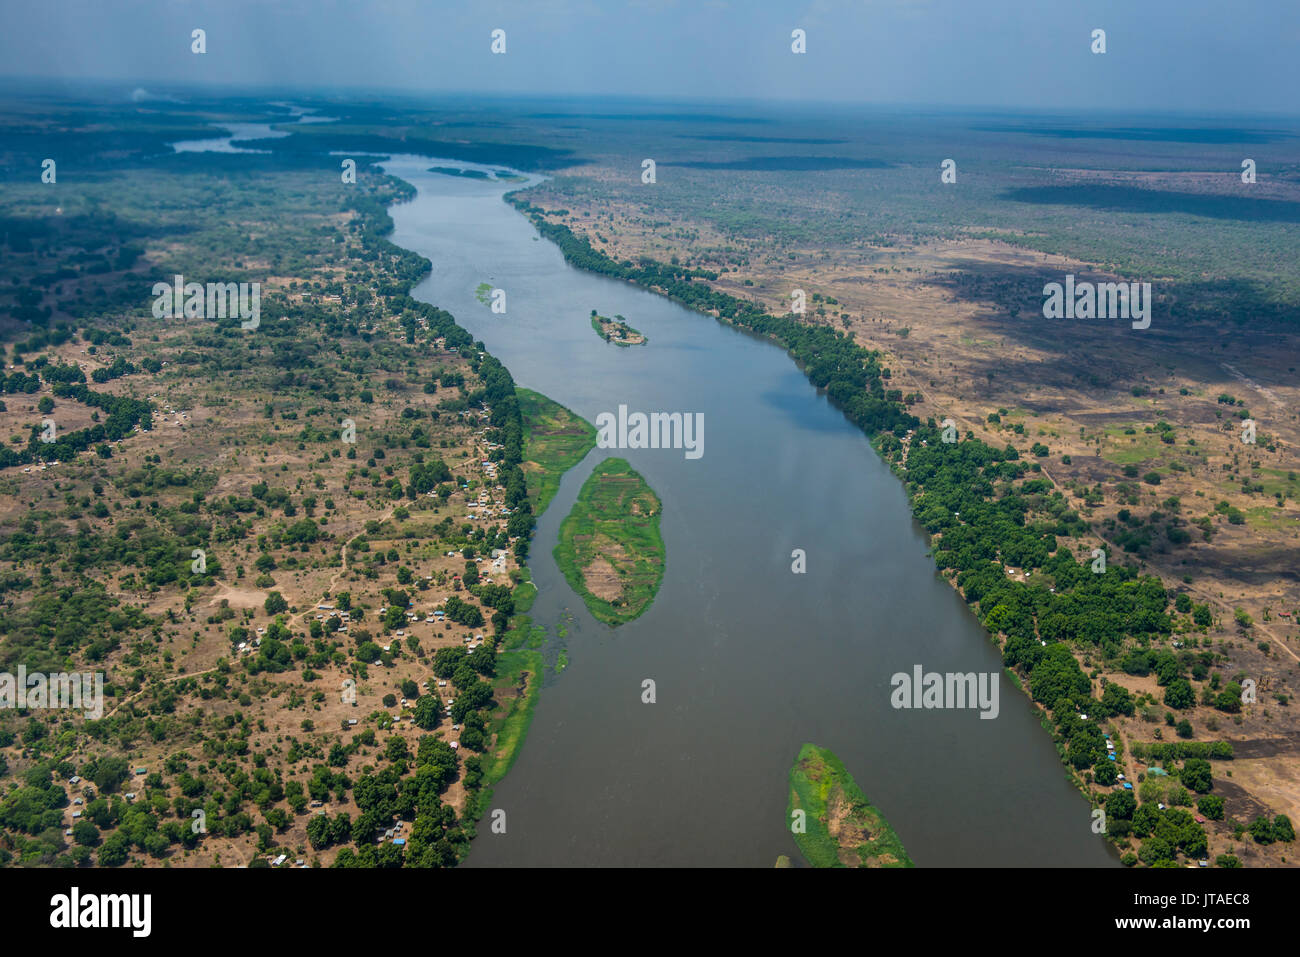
{"type": "Point", "coordinates": [841, 827]}
{"type": "Point", "coordinates": [616, 330]}
{"type": "Point", "coordinates": [555, 440]}
{"type": "Point", "coordinates": [610, 549]}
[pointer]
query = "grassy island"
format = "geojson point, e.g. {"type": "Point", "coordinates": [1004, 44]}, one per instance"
{"type": "Point", "coordinates": [842, 828]}
{"type": "Point", "coordinates": [610, 549]}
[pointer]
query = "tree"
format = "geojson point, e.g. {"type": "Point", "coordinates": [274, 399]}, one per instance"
{"type": "Point", "coordinates": [447, 660]}
{"type": "Point", "coordinates": [278, 818]}
{"type": "Point", "coordinates": [1121, 805]}
{"type": "Point", "coordinates": [1211, 806]}
{"type": "Point", "coordinates": [275, 603]}
{"type": "Point", "coordinates": [1155, 850]}
{"type": "Point", "coordinates": [1261, 829]}
{"type": "Point", "coordinates": [115, 851]}
{"type": "Point", "coordinates": [1117, 699]}
{"type": "Point", "coordinates": [1145, 819]}
{"type": "Point", "coordinates": [108, 773]}
{"type": "Point", "coordinates": [1179, 694]}
{"type": "Point", "coordinates": [318, 831]}
{"type": "Point", "coordinates": [396, 749]}
{"type": "Point", "coordinates": [1282, 828]}
{"type": "Point", "coordinates": [428, 712]}
{"type": "Point", "coordinates": [85, 833]}
{"type": "Point", "coordinates": [1196, 775]}
{"type": "Point", "coordinates": [1229, 699]}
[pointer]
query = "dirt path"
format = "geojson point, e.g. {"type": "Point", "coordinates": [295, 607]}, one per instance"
{"type": "Point", "coordinates": [1246, 380]}
{"type": "Point", "coordinates": [310, 604]}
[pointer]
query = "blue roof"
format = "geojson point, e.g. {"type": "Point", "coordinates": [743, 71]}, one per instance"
{"type": "Point", "coordinates": [1128, 786]}
{"type": "Point", "coordinates": [399, 840]}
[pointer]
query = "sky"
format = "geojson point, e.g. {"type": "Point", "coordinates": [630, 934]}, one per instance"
{"type": "Point", "coordinates": [1161, 55]}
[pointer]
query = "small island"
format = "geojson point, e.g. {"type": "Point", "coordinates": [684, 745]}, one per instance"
{"type": "Point", "coordinates": [483, 293]}
{"type": "Point", "coordinates": [610, 549]}
{"type": "Point", "coordinates": [616, 330]}
{"type": "Point", "coordinates": [842, 829]}
{"type": "Point", "coordinates": [457, 171]}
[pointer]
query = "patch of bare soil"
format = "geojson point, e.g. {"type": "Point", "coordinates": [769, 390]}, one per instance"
{"type": "Point", "coordinates": [601, 577]}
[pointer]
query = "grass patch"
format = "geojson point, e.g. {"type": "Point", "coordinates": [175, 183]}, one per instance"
{"type": "Point", "coordinates": [1124, 449]}
{"type": "Point", "coordinates": [610, 549]}
{"type": "Point", "coordinates": [555, 440]}
{"type": "Point", "coordinates": [514, 668]}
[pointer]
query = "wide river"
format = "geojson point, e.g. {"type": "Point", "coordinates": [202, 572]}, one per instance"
{"type": "Point", "coordinates": [749, 659]}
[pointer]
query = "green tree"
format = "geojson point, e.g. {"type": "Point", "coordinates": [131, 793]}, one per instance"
{"type": "Point", "coordinates": [85, 833]}
{"type": "Point", "coordinates": [115, 851]}
{"type": "Point", "coordinates": [1282, 828]}
{"type": "Point", "coordinates": [1211, 805]}
{"type": "Point", "coordinates": [1179, 694]}
{"type": "Point", "coordinates": [428, 711]}
{"type": "Point", "coordinates": [1196, 775]}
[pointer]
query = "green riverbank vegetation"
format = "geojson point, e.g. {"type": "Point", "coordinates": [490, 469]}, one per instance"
{"type": "Point", "coordinates": [555, 440]}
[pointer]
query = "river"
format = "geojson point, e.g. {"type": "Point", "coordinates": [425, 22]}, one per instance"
{"type": "Point", "coordinates": [749, 659]}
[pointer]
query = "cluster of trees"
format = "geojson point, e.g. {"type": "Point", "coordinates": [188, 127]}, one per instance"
{"type": "Point", "coordinates": [1165, 833]}
{"type": "Point", "coordinates": [426, 476]}
{"type": "Point", "coordinates": [462, 612]}
{"type": "Point", "coordinates": [124, 414]}
{"type": "Point", "coordinates": [436, 835]}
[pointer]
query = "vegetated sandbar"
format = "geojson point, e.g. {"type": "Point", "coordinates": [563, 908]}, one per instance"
{"type": "Point", "coordinates": [616, 330]}
{"type": "Point", "coordinates": [610, 549]}
{"type": "Point", "coordinates": [555, 440]}
{"type": "Point", "coordinates": [842, 828]}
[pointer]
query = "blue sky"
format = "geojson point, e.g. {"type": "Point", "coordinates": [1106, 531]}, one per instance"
{"type": "Point", "coordinates": [1185, 55]}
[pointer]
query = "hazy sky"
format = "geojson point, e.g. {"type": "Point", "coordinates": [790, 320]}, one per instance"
{"type": "Point", "coordinates": [1199, 55]}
